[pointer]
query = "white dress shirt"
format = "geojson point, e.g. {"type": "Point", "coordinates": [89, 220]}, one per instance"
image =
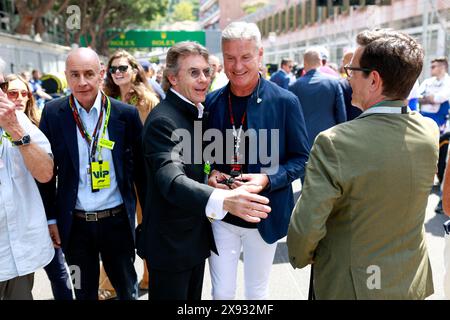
{"type": "Point", "coordinates": [25, 244]}
{"type": "Point", "coordinates": [104, 198]}
{"type": "Point", "coordinates": [214, 207]}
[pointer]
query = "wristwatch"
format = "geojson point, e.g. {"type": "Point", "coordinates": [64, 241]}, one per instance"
{"type": "Point", "coordinates": [23, 141]}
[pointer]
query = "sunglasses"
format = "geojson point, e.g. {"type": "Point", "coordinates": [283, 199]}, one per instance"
{"type": "Point", "coordinates": [121, 69]}
{"type": "Point", "coordinates": [195, 73]}
{"type": "Point", "coordinates": [14, 94]}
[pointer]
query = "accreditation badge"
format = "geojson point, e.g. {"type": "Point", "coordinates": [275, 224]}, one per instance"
{"type": "Point", "coordinates": [100, 175]}
{"type": "Point", "coordinates": [105, 143]}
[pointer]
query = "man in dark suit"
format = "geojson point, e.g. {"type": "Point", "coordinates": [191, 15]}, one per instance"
{"type": "Point", "coordinates": [281, 77]}
{"type": "Point", "coordinates": [320, 96]}
{"type": "Point", "coordinates": [176, 233]}
{"type": "Point", "coordinates": [96, 142]}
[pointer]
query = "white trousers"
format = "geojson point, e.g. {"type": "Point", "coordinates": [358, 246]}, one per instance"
{"type": "Point", "coordinates": [258, 259]}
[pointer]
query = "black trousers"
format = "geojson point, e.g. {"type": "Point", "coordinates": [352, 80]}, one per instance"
{"type": "Point", "coordinates": [110, 238]}
{"type": "Point", "coordinates": [184, 285]}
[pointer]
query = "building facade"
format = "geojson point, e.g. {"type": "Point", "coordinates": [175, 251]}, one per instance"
{"type": "Point", "coordinates": [289, 27]}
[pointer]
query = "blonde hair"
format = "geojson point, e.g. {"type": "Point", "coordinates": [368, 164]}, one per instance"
{"type": "Point", "coordinates": [31, 110]}
{"type": "Point", "coordinates": [141, 94]}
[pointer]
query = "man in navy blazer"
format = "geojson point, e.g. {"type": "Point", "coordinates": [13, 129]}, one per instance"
{"type": "Point", "coordinates": [273, 118]}
{"type": "Point", "coordinates": [281, 77]}
{"type": "Point", "coordinates": [91, 206]}
{"type": "Point", "coordinates": [320, 96]}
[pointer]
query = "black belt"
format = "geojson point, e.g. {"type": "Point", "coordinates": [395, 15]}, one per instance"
{"type": "Point", "coordinates": [95, 215]}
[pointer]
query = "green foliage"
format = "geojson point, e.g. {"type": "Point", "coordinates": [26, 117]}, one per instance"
{"type": "Point", "coordinates": [183, 11]}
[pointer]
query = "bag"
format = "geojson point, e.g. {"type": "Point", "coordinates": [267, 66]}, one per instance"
{"type": "Point", "coordinates": [447, 260]}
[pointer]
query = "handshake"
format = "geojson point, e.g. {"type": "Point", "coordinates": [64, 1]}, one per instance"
{"type": "Point", "coordinates": [241, 196]}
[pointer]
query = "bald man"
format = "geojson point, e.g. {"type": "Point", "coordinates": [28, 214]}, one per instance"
{"type": "Point", "coordinates": [320, 96]}
{"type": "Point", "coordinates": [352, 111]}
{"type": "Point", "coordinates": [96, 142]}
{"type": "Point", "coordinates": [218, 78]}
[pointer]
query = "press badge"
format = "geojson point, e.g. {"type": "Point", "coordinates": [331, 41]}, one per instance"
{"type": "Point", "coordinates": [100, 175]}
{"type": "Point", "coordinates": [105, 143]}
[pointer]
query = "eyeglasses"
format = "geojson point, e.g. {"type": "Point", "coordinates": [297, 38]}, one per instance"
{"type": "Point", "coordinates": [349, 70]}
{"type": "Point", "coordinates": [14, 94]}
{"type": "Point", "coordinates": [195, 73]}
{"type": "Point", "coordinates": [121, 69]}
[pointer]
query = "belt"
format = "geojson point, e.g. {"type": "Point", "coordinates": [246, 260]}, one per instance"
{"type": "Point", "coordinates": [95, 215]}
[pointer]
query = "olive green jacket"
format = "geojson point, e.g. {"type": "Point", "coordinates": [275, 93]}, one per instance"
{"type": "Point", "coordinates": [360, 217]}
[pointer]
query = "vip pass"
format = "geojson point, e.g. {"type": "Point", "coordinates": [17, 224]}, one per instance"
{"type": "Point", "coordinates": [98, 172]}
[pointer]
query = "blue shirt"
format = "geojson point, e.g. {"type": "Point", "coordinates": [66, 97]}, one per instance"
{"type": "Point", "coordinates": [104, 198]}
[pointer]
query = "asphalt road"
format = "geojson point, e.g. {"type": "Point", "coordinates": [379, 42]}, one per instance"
{"type": "Point", "coordinates": [289, 284]}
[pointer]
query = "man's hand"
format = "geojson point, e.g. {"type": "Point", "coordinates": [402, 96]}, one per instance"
{"type": "Point", "coordinates": [54, 234]}
{"type": "Point", "coordinates": [427, 99]}
{"type": "Point", "coordinates": [259, 179]}
{"type": "Point", "coordinates": [214, 179]}
{"type": "Point", "coordinates": [245, 203]}
{"type": "Point", "coordinates": [8, 119]}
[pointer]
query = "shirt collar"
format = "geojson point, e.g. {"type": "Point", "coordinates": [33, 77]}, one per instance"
{"type": "Point", "coordinates": [97, 103]}
{"type": "Point", "coordinates": [199, 107]}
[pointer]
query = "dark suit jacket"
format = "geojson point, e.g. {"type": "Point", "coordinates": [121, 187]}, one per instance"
{"type": "Point", "coordinates": [280, 78]}
{"type": "Point", "coordinates": [322, 101]}
{"type": "Point", "coordinates": [278, 110]}
{"type": "Point", "coordinates": [352, 111]}
{"type": "Point", "coordinates": [58, 124]}
{"type": "Point", "coordinates": [176, 234]}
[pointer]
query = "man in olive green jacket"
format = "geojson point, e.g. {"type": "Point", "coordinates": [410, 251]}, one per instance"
{"type": "Point", "coordinates": [360, 217]}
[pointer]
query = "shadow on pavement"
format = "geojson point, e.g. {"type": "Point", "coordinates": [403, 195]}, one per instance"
{"type": "Point", "coordinates": [434, 225]}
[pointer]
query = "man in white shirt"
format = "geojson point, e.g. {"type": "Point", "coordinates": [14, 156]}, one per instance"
{"type": "Point", "coordinates": [435, 93]}
{"type": "Point", "coordinates": [25, 245]}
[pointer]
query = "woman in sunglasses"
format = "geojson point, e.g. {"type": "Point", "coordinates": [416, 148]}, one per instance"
{"type": "Point", "coordinates": [126, 81]}
{"type": "Point", "coordinates": [18, 91]}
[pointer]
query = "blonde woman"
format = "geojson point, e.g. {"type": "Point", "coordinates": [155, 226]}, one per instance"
{"type": "Point", "coordinates": [126, 81]}
{"type": "Point", "coordinates": [18, 91]}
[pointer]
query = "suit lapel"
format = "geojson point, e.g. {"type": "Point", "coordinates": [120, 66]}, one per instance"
{"type": "Point", "coordinates": [116, 133]}
{"type": "Point", "coordinates": [69, 131]}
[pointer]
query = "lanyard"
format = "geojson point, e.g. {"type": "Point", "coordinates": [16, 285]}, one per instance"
{"type": "Point", "coordinates": [236, 135]}
{"type": "Point", "coordinates": [106, 104]}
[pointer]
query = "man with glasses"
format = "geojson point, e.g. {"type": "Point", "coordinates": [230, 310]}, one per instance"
{"type": "Point", "coordinates": [25, 245]}
{"type": "Point", "coordinates": [176, 229]}
{"type": "Point", "coordinates": [434, 103]}
{"type": "Point", "coordinates": [281, 77]}
{"type": "Point", "coordinates": [360, 219]}
{"type": "Point", "coordinates": [320, 96]}
{"type": "Point", "coordinates": [91, 201]}
{"type": "Point", "coordinates": [435, 93]}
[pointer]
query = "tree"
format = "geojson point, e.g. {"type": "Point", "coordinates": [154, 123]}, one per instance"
{"type": "Point", "coordinates": [31, 13]}
{"type": "Point", "coordinates": [183, 11]}
{"type": "Point", "coordinates": [97, 17]}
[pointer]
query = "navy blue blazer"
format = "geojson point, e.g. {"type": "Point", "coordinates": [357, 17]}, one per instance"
{"type": "Point", "coordinates": [278, 109]}
{"type": "Point", "coordinates": [280, 78]}
{"type": "Point", "coordinates": [322, 101]}
{"type": "Point", "coordinates": [125, 128]}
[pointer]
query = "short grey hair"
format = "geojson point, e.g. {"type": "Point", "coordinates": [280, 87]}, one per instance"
{"type": "Point", "coordinates": [240, 30]}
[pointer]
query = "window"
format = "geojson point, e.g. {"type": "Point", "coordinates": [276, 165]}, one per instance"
{"type": "Point", "coordinates": [291, 25]}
